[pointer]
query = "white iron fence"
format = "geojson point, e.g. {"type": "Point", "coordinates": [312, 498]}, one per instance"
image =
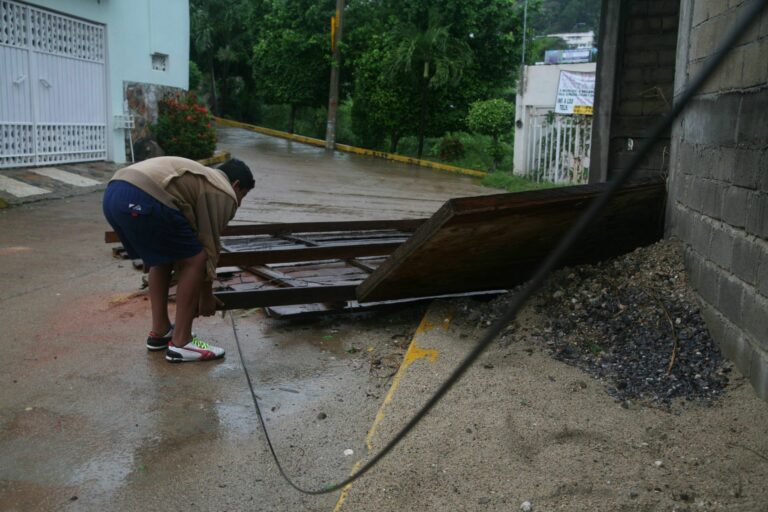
{"type": "Point", "coordinates": [557, 148]}
{"type": "Point", "coordinates": [53, 104]}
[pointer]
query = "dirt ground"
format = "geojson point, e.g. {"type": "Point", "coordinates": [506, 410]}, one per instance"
{"type": "Point", "coordinates": [525, 426]}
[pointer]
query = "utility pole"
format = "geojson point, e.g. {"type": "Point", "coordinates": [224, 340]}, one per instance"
{"type": "Point", "coordinates": [333, 96]}
{"type": "Point", "coordinates": [521, 79]}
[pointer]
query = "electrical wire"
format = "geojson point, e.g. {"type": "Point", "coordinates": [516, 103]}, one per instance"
{"type": "Point", "coordinates": [552, 261]}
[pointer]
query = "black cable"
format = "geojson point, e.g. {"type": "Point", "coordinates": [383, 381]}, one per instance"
{"type": "Point", "coordinates": [553, 260]}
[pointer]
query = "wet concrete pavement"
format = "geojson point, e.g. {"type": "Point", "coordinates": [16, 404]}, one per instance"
{"type": "Point", "coordinates": [91, 421]}
{"type": "Point", "coordinates": [298, 182]}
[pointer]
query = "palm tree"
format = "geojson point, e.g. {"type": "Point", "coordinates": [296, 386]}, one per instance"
{"type": "Point", "coordinates": [201, 29]}
{"type": "Point", "coordinates": [438, 57]}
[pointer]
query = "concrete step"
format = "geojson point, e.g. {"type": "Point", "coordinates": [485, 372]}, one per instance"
{"type": "Point", "coordinates": [24, 185]}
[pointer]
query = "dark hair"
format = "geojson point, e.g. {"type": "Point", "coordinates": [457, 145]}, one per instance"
{"type": "Point", "coordinates": [236, 170]}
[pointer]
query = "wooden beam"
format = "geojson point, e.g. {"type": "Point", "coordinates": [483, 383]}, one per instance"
{"type": "Point", "coordinates": [406, 225]}
{"type": "Point", "coordinates": [285, 296]}
{"type": "Point", "coordinates": [275, 276]}
{"type": "Point", "coordinates": [322, 227]}
{"type": "Point", "coordinates": [251, 258]}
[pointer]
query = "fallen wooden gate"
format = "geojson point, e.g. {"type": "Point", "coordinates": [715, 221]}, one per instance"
{"type": "Point", "coordinates": [309, 266]}
{"type": "Point", "coordinates": [472, 244]}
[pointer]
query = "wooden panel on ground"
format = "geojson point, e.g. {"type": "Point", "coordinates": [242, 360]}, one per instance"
{"type": "Point", "coordinates": [255, 286]}
{"type": "Point", "coordinates": [303, 271]}
{"type": "Point", "coordinates": [492, 242]}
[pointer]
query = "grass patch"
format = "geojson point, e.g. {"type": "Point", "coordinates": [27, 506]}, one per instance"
{"type": "Point", "coordinates": [511, 183]}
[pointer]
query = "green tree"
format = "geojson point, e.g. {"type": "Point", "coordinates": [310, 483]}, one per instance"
{"type": "Point", "coordinates": [539, 47]}
{"type": "Point", "coordinates": [433, 58]}
{"type": "Point", "coordinates": [221, 37]}
{"type": "Point", "coordinates": [485, 32]}
{"type": "Point", "coordinates": [495, 118]}
{"type": "Point", "coordinates": [379, 108]}
{"type": "Point", "coordinates": [291, 58]}
{"type": "Point", "coordinates": [553, 16]}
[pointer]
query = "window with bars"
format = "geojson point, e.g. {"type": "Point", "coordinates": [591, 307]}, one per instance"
{"type": "Point", "coordinates": [159, 62]}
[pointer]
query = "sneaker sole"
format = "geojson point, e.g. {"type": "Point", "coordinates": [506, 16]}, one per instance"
{"type": "Point", "coordinates": [173, 357]}
{"type": "Point", "coordinates": [156, 348]}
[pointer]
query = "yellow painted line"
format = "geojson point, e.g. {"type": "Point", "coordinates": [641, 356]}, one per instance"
{"type": "Point", "coordinates": [219, 158]}
{"type": "Point", "coordinates": [413, 354]}
{"type": "Point", "coordinates": [270, 132]}
{"type": "Point", "coordinates": [347, 488]}
{"type": "Point", "coordinates": [352, 149]}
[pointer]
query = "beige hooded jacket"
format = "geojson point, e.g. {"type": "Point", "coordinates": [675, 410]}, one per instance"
{"type": "Point", "coordinates": [203, 195]}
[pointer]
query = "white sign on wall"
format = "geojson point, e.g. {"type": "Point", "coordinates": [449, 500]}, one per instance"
{"type": "Point", "coordinates": [575, 93]}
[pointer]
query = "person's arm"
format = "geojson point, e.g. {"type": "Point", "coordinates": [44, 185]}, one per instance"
{"type": "Point", "coordinates": [215, 210]}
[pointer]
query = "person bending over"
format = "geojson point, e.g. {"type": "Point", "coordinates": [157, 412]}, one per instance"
{"type": "Point", "coordinates": [170, 212]}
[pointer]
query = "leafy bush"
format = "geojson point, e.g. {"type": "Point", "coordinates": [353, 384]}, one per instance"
{"type": "Point", "coordinates": [476, 150]}
{"type": "Point", "coordinates": [491, 117]}
{"type": "Point", "coordinates": [451, 148]}
{"type": "Point", "coordinates": [495, 118]}
{"type": "Point", "coordinates": [185, 128]}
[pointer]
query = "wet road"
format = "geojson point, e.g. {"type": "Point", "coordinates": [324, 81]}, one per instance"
{"type": "Point", "coordinates": [296, 182]}
{"type": "Point", "coordinates": [91, 421]}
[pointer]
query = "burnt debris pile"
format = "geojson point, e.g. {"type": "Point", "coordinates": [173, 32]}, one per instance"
{"type": "Point", "coordinates": [633, 323]}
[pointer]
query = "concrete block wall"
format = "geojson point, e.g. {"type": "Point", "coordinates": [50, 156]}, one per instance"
{"type": "Point", "coordinates": [644, 83]}
{"type": "Point", "coordinates": [718, 188]}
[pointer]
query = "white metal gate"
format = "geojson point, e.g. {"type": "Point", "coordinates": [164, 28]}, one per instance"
{"type": "Point", "coordinates": [53, 105]}
{"type": "Point", "coordinates": [557, 148]}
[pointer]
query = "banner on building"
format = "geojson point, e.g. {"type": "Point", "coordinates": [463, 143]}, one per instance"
{"type": "Point", "coordinates": [575, 93]}
{"type": "Point", "coordinates": [570, 56]}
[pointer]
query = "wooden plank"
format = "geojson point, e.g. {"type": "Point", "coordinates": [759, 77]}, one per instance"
{"type": "Point", "coordinates": [250, 258]}
{"type": "Point", "coordinates": [275, 276]}
{"type": "Point", "coordinates": [406, 225]}
{"type": "Point", "coordinates": [285, 296]}
{"type": "Point", "coordinates": [322, 227]}
{"type": "Point", "coordinates": [493, 242]}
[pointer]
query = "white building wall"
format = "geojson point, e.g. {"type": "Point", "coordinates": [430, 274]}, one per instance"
{"type": "Point", "coordinates": [135, 30]}
{"type": "Point", "coordinates": [538, 93]}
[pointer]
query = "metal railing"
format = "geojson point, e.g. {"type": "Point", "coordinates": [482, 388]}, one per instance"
{"type": "Point", "coordinates": [558, 147]}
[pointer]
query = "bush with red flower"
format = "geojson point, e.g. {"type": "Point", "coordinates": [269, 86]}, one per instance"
{"type": "Point", "coordinates": [185, 128]}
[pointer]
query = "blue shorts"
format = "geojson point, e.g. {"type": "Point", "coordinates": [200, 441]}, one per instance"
{"type": "Point", "coordinates": [147, 228]}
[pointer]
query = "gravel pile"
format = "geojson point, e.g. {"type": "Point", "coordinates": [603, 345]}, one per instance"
{"type": "Point", "coordinates": [632, 323]}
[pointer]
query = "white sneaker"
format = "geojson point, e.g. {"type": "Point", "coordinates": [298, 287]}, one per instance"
{"type": "Point", "coordinates": [195, 350]}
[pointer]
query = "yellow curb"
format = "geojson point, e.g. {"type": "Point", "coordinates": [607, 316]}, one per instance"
{"type": "Point", "coordinates": [413, 354]}
{"type": "Point", "coordinates": [218, 158]}
{"type": "Point", "coordinates": [352, 149]}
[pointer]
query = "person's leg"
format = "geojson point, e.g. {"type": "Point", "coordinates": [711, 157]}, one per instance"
{"type": "Point", "coordinates": [191, 276]}
{"type": "Point", "coordinates": [159, 281]}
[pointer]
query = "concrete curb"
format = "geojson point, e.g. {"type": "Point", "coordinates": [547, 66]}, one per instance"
{"type": "Point", "coordinates": [352, 149]}
{"type": "Point", "coordinates": [219, 157]}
